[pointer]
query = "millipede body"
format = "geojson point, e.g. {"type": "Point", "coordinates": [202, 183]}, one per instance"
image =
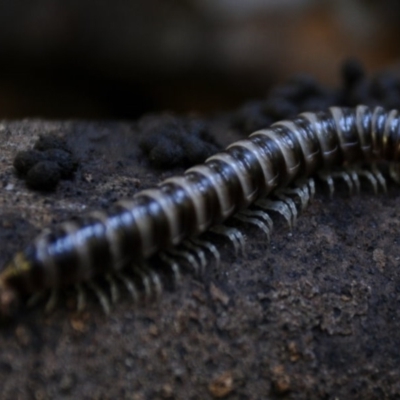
{"type": "Point", "coordinates": [182, 207]}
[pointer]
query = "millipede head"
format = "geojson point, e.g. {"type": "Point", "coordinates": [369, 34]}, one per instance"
{"type": "Point", "coordinates": [10, 276]}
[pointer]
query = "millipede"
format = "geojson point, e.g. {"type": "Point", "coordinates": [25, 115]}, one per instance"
{"type": "Point", "coordinates": [247, 181]}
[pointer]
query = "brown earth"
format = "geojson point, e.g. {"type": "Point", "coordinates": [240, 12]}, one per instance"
{"type": "Point", "coordinates": [315, 315]}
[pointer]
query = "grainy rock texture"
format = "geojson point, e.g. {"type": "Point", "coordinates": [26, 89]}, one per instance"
{"type": "Point", "coordinates": [313, 315]}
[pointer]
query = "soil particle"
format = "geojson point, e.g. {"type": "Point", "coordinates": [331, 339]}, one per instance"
{"type": "Point", "coordinates": [218, 295]}
{"type": "Point", "coordinates": [280, 380]}
{"type": "Point", "coordinates": [222, 385]}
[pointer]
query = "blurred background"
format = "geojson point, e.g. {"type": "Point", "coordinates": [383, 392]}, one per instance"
{"type": "Point", "coordinates": [121, 59]}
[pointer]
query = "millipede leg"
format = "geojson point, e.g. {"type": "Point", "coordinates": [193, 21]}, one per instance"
{"type": "Point", "coordinates": [346, 178]}
{"type": "Point", "coordinates": [355, 179]}
{"type": "Point", "coordinates": [130, 286]}
{"type": "Point", "coordinates": [251, 219]}
{"type": "Point", "coordinates": [81, 298]}
{"type": "Point", "coordinates": [241, 240]}
{"type": "Point", "coordinates": [344, 175]}
{"type": "Point", "coordinates": [278, 206]}
{"type": "Point", "coordinates": [265, 218]}
{"type": "Point", "coordinates": [394, 172]}
{"type": "Point", "coordinates": [186, 256]}
{"type": "Point", "coordinates": [311, 188]}
{"type": "Point", "coordinates": [234, 235]}
{"type": "Point", "coordinates": [308, 193]}
{"type": "Point", "coordinates": [371, 178]}
{"type": "Point", "coordinates": [305, 196]}
{"type": "Point", "coordinates": [174, 267]}
{"type": "Point", "coordinates": [145, 282]}
{"type": "Point", "coordinates": [149, 278]}
{"type": "Point", "coordinates": [199, 252]}
{"type": "Point", "coordinates": [155, 278]}
{"type": "Point", "coordinates": [380, 178]}
{"type": "Point", "coordinates": [101, 296]}
{"type": "Point", "coordinates": [301, 192]}
{"type": "Point", "coordinates": [327, 178]}
{"type": "Point", "coordinates": [210, 247]}
{"type": "Point", "coordinates": [304, 189]}
{"type": "Point", "coordinates": [291, 204]}
{"type": "Point", "coordinates": [113, 288]}
{"type": "Point", "coordinates": [263, 215]}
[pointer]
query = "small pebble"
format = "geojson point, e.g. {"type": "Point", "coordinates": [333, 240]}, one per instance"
{"type": "Point", "coordinates": [280, 380]}
{"type": "Point", "coordinates": [222, 385]}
